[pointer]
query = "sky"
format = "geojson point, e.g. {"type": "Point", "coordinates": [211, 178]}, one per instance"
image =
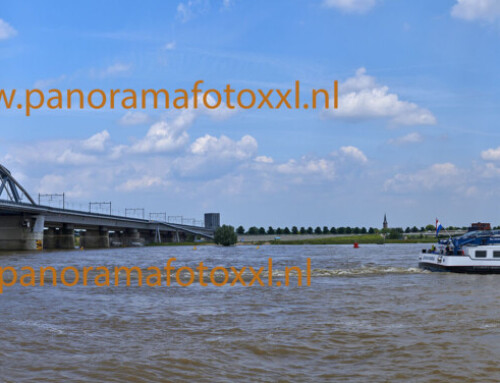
{"type": "Point", "coordinates": [415, 135]}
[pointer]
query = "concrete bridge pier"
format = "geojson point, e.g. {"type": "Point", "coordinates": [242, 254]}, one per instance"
{"type": "Point", "coordinates": [50, 238]}
{"type": "Point", "coordinates": [66, 237]}
{"type": "Point", "coordinates": [154, 236]}
{"type": "Point", "coordinates": [168, 236]}
{"type": "Point", "coordinates": [116, 239]}
{"type": "Point", "coordinates": [18, 232]}
{"type": "Point", "coordinates": [59, 238]}
{"type": "Point", "coordinates": [147, 236]}
{"type": "Point", "coordinates": [181, 236]}
{"type": "Point", "coordinates": [95, 239]}
{"type": "Point", "coordinates": [132, 237]}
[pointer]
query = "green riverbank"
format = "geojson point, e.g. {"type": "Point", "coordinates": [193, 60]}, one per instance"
{"type": "Point", "coordinates": [362, 239]}
{"type": "Point", "coordinates": [337, 240]}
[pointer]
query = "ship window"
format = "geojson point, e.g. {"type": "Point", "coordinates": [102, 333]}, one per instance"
{"type": "Point", "coordinates": [481, 254]}
{"type": "Point", "coordinates": [496, 254]}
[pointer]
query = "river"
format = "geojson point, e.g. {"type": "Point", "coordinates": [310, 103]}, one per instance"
{"type": "Point", "coordinates": [369, 315]}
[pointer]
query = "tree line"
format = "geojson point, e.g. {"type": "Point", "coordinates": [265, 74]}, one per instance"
{"type": "Point", "coordinates": [334, 230]}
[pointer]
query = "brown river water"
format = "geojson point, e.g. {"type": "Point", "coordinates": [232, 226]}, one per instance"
{"type": "Point", "coordinates": [369, 315]}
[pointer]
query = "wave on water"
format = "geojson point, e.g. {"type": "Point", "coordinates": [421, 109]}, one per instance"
{"type": "Point", "coordinates": [51, 328]}
{"type": "Point", "coordinates": [366, 270]}
{"type": "Point", "coordinates": [362, 270]}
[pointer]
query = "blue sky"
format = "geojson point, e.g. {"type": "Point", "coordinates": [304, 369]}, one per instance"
{"type": "Point", "coordinates": [415, 135]}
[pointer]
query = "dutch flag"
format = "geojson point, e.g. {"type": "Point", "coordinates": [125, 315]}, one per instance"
{"type": "Point", "coordinates": [438, 227]}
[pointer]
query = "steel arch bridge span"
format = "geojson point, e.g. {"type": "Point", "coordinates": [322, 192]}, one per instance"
{"type": "Point", "coordinates": [11, 190]}
{"type": "Point", "coordinates": [26, 225]}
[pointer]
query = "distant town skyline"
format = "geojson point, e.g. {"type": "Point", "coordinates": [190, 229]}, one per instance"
{"type": "Point", "coordinates": [415, 135]}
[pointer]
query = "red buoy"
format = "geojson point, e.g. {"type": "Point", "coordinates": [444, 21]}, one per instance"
{"type": "Point", "coordinates": [356, 245]}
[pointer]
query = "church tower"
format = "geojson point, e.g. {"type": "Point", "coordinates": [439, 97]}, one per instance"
{"type": "Point", "coordinates": [385, 225]}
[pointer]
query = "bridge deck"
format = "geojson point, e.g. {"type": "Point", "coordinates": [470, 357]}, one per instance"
{"type": "Point", "coordinates": [58, 217]}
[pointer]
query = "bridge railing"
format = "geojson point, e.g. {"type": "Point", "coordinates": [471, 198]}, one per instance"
{"type": "Point", "coordinates": [97, 210]}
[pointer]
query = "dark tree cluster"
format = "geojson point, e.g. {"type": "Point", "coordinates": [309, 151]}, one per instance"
{"type": "Point", "coordinates": [338, 230]}
{"type": "Point", "coordinates": [254, 230]}
{"type": "Point", "coordinates": [225, 236]}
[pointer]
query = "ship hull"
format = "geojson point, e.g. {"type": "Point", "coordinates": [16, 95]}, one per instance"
{"type": "Point", "coordinates": [460, 263]}
{"type": "Point", "coordinates": [460, 269]}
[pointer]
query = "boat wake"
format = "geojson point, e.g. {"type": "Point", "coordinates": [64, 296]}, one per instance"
{"type": "Point", "coordinates": [366, 270]}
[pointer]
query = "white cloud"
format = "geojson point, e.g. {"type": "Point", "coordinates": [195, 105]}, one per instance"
{"type": "Point", "coordinates": [189, 9]}
{"type": "Point", "coordinates": [487, 170]}
{"type": "Point", "coordinates": [206, 164]}
{"type": "Point", "coordinates": [59, 152]}
{"type": "Point", "coordinates": [63, 152]}
{"type": "Point", "coordinates": [308, 167]}
{"type": "Point", "coordinates": [209, 156]}
{"type": "Point", "coordinates": [361, 98]}
{"type": "Point", "coordinates": [162, 137]}
{"type": "Point", "coordinates": [6, 31]}
{"type": "Point", "coordinates": [50, 82]}
{"type": "Point", "coordinates": [117, 151]}
{"type": "Point", "coordinates": [353, 153]}
{"type": "Point", "coordinates": [71, 157]}
{"type": "Point", "coordinates": [166, 136]}
{"type": "Point", "coordinates": [220, 113]}
{"type": "Point", "coordinates": [350, 6]}
{"type": "Point", "coordinates": [487, 10]}
{"type": "Point", "coordinates": [491, 154]}
{"type": "Point", "coordinates": [437, 176]}
{"type": "Point", "coordinates": [54, 183]}
{"type": "Point", "coordinates": [145, 182]}
{"type": "Point", "coordinates": [51, 183]}
{"type": "Point", "coordinates": [118, 69]}
{"type": "Point", "coordinates": [264, 159]}
{"type": "Point", "coordinates": [78, 182]}
{"type": "Point", "coordinates": [170, 136]}
{"type": "Point", "coordinates": [97, 142]}
{"type": "Point", "coordinates": [134, 118]}
{"type": "Point", "coordinates": [224, 147]}
{"type": "Point", "coordinates": [359, 82]}
{"type": "Point", "coordinates": [169, 46]}
{"type": "Point", "coordinates": [183, 12]}
{"type": "Point", "coordinates": [345, 161]}
{"type": "Point", "coordinates": [410, 138]}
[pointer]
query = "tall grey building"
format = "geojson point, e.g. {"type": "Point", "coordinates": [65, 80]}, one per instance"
{"type": "Point", "coordinates": [212, 220]}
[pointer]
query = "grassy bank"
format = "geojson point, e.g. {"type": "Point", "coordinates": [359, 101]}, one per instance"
{"type": "Point", "coordinates": [339, 240]}
{"type": "Point", "coordinates": [181, 244]}
{"type": "Point", "coordinates": [349, 240]}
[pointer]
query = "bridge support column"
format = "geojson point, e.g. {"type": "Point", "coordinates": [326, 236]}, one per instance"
{"type": "Point", "coordinates": [182, 236]}
{"type": "Point", "coordinates": [62, 238]}
{"type": "Point", "coordinates": [21, 232]}
{"type": "Point", "coordinates": [49, 238]}
{"type": "Point", "coordinates": [116, 239]}
{"type": "Point", "coordinates": [66, 237]}
{"type": "Point", "coordinates": [132, 237]}
{"type": "Point", "coordinates": [94, 239]}
{"type": "Point", "coordinates": [168, 236]}
{"type": "Point", "coordinates": [152, 236]}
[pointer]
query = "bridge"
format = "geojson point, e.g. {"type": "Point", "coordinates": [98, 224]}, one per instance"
{"type": "Point", "coordinates": [25, 225]}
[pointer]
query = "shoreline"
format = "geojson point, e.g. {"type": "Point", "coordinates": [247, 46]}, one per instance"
{"type": "Point", "coordinates": [375, 239]}
{"type": "Point", "coordinates": [368, 239]}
